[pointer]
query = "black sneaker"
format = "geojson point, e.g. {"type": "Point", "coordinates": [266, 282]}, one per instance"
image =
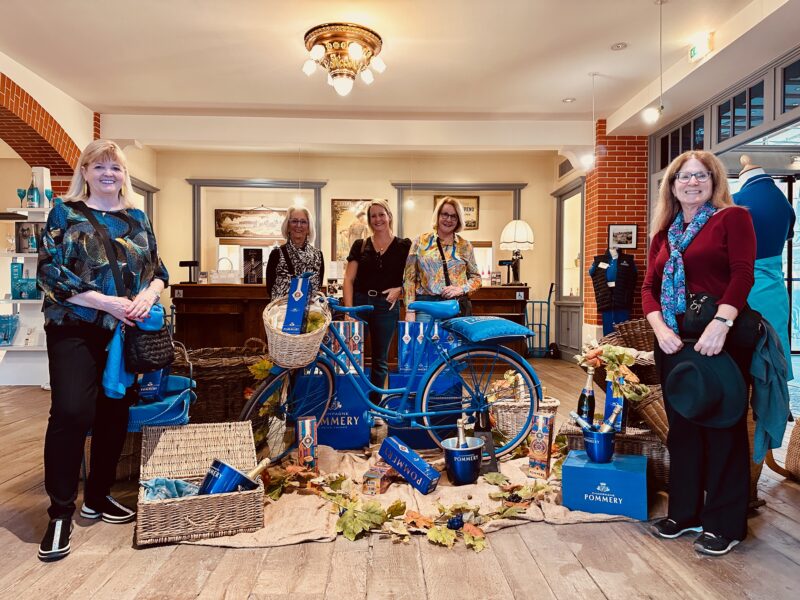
{"type": "Point", "coordinates": [55, 543]}
{"type": "Point", "coordinates": [670, 529]}
{"type": "Point", "coordinates": [715, 545]}
{"type": "Point", "coordinates": [110, 510]}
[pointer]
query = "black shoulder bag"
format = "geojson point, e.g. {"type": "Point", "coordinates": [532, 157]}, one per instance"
{"type": "Point", "coordinates": [701, 308]}
{"type": "Point", "coordinates": [464, 303]}
{"type": "Point", "coordinates": [144, 351]}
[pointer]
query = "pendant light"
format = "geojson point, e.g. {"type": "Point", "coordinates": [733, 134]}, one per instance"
{"type": "Point", "coordinates": [652, 114]}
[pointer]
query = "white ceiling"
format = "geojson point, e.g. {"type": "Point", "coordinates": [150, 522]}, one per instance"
{"type": "Point", "coordinates": [447, 59]}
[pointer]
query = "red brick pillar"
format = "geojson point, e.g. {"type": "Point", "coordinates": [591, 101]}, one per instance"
{"type": "Point", "coordinates": [616, 193]}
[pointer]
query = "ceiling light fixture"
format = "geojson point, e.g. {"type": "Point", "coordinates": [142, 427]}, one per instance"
{"type": "Point", "coordinates": [653, 114]}
{"type": "Point", "coordinates": [569, 100]}
{"type": "Point", "coordinates": [619, 46]}
{"type": "Point", "coordinates": [344, 50]}
{"type": "Point", "coordinates": [587, 160]}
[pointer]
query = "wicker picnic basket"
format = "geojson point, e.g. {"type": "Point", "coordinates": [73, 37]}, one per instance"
{"type": "Point", "coordinates": [634, 441]}
{"type": "Point", "coordinates": [222, 376]}
{"type": "Point", "coordinates": [792, 462]}
{"type": "Point", "coordinates": [186, 453]}
{"type": "Point", "coordinates": [652, 411]}
{"type": "Point", "coordinates": [293, 351]}
{"type": "Point", "coordinates": [511, 415]}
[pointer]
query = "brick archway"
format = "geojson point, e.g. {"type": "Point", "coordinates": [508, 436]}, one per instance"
{"type": "Point", "coordinates": [35, 135]}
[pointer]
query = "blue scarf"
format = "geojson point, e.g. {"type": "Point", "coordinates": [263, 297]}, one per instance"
{"type": "Point", "coordinates": [673, 282]}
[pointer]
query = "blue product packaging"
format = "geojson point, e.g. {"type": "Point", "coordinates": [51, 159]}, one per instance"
{"type": "Point", "coordinates": [409, 465]}
{"type": "Point", "coordinates": [410, 343]}
{"type": "Point", "coordinates": [25, 289]}
{"type": "Point", "coordinates": [296, 305]}
{"type": "Point", "coordinates": [151, 385]}
{"type": "Point", "coordinates": [447, 341]}
{"type": "Point", "coordinates": [618, 487]}
{"type": "Point", "coordinates": [611, 402]}
{"type": "Point", "coordinates": [16, 271]}
{"type": "Point", "coordinates": [353, 333]}
{"type": "Point", "coordinates": [345, 425]}
{"type": "Point", "coordinates": [416, 438]}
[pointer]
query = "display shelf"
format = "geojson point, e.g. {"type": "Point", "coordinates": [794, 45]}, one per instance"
{"type": "Point", "coordinates": [15, 348]}
{"type": "Point", "coordinates": [8, 300]}
{"type": "Point", "coordinates": [10, 254]}
{"type": "Point", "coordinates": [29, 212]}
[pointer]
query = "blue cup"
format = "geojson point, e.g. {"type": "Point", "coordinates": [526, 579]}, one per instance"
{"type": "Point", "coordinates": [599, 446]}
{"type": "Point", "coordinates": [463, 464]}
{"type": "Point", "coordinates": [223, 478]}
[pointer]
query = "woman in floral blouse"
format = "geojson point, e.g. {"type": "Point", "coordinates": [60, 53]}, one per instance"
{"type": "Point", "coordinates": [303, 257]}
{"type": "Point", "coordinates": [425, 276]}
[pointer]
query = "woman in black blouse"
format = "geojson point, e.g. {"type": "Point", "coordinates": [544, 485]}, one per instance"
{"type": "Point", "coordinates": [303, 257]}
{"type": "Point", "coordinates": [374, 275]}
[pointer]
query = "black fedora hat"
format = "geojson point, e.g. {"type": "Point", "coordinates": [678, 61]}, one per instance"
{"type": "Point", "coordinates": [706, 390]}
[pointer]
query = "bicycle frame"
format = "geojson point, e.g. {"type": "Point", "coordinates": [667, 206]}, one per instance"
{"type": "Point", "coordinates": [403, 413]}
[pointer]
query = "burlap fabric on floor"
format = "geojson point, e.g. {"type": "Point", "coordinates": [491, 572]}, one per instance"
{"type": "Point", "coordinates": [296, 518]}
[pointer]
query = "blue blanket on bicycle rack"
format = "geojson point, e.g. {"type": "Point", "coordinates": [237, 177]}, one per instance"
{"type": "Point", "coordinates": [483, 329]}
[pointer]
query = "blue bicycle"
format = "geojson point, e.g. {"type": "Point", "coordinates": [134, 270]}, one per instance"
{"type": "Point", "coordinates": [487, 384]}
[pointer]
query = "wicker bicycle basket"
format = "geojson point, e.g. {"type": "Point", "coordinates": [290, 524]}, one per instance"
{"type": "Point", "coordinates": [186, 453]}
{"type": "Point", "coordinates": [293, 351]}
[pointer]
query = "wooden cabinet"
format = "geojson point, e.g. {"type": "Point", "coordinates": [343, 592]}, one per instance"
{"type": "Point", "coordinates": [214, 315]}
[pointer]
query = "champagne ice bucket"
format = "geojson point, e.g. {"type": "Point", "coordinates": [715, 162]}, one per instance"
{"type": "Point", "coordinates": [599, 446]}
{"type": "Point", "coordinates": [223, 478]}
{"type": "Point", "coordinates": [463, 464]}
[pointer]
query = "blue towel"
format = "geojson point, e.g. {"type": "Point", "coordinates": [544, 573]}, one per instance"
{"type": "Point", "coordinates": [116, 380]}
{"type": "Point", "coordinates": [162, 488]}
{"type": "Point", "coordinates": [770, 398]}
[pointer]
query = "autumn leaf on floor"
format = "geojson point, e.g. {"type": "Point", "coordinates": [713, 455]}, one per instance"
{"type": "Point", "coordinates": [396, 509]}
{"type": "Point", "coordinates": [511, 487]}
{"type": "Point", "coordinates": [474, 537]}
{"type": "Point", "coordinates": [414, 519]}
{"type": "Point", "coordinates": [399, 531]}
{"type": "Point", "coordinates": [356, 520]}
{"type": "Point", "coordinates": [496, 478]}
{"type": "Point", "coordinates": [442, 535]}
{"type": "Point", "coordinates": [509, 512]}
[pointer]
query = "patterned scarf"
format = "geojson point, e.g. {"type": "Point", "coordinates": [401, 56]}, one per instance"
{"type": "Point", "coordinates": [673, 282]}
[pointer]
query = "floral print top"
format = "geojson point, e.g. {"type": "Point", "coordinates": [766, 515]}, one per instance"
{"type": "Point", "coordinates": [424, 273]}
{"type": "Point", "coordinates": [72, 260]}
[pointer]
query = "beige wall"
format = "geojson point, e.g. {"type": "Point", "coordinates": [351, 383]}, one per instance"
{"type": "Point", "coordinates": [368, 177]}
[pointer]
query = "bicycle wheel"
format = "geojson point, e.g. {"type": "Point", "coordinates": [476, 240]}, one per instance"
{"type": "Point", "coordinates": [281, 400]}
{"type": "Point", "coordinates": [492, 381]}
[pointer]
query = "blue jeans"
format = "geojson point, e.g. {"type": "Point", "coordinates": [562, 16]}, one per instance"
{"type": "Point", "coordinates": [381, 324]}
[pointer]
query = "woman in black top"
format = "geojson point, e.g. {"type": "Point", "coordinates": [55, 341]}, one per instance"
{"type": "Point", "coordinates": [374, 275]}
{"type": "Point", "coordinates": [303, 257]}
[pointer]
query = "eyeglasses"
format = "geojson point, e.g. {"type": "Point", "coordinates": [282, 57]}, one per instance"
{"type": "Point", "coordinates": [448, 216]}
{"type": "Point", "coordinates": [297, 222]}
{"type": "Point", "coordinates": [686, 177]}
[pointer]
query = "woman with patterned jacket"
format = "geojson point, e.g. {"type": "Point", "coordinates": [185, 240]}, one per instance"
{"type": "Point", "coordinates": [441, 264]}
{"type": "Point", "coordinates": [81, 311]}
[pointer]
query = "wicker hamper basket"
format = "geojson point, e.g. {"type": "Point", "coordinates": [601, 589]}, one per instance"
{"type": "Point", "coordinates": [633, 441]}
{"type": "Point", "coordinates": [186, 453]}
{"type": "Point", "coordinates": [651, 410]}
{"type": "Point", "coordinates": [222, 376]}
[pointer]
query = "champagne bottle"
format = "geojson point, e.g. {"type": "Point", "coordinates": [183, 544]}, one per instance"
{"type": "Point", "coordinates": [608, 424]}
{"type": "Point", "coordinates": [586, 400]}
{"type": "Point", "coordinates": [33, 195]}
{"type": "Point", "coordinates": [462, 435]}
{"type": "Point", "coordinates": [581, 422]}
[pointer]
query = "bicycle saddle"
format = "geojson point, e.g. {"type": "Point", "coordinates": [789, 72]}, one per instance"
{"type": "Point", "coordinates": [438, 310]}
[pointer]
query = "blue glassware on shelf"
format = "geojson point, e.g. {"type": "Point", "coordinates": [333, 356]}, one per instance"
{"type": "Point", "coordinates": [21, 193]}
{"type": "Point", "coordinates": [49, 195]}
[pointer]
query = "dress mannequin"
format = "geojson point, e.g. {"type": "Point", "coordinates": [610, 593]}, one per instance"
{"type": "Point", "coordinates": [773, 220]}
{"type": "Point", "coordinates": [614, 279]}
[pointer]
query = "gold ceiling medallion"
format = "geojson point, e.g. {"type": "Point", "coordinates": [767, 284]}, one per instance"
{"type": "Point", "coordinates": [344, 50]}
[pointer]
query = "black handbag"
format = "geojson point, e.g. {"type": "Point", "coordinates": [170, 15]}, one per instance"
{"type": "Point", "coordinates": [144, 351]}
{"type": "Point", "coordinates": [701, 308]}
{"type": "Point", "coordinates": [464, 303]}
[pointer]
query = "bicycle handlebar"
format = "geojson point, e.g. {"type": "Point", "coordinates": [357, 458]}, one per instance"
{"type": "Point", "coordinates": [348, 310]}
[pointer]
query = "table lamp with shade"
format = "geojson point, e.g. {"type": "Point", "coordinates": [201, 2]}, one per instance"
{"type": "Point", "coordinates": [517, 236]}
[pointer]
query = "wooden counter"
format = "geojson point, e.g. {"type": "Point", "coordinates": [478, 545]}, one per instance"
{"type": "Point", "coordinates": [213, 315]}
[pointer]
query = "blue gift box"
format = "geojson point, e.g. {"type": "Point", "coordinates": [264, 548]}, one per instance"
{"type": "Point", "coordinates": [345, 425]}
{"type": "Point", "coordinates": [615, 488]}
{"type": "Point", "coordinates": [416, 438]}
{"type": "Point", "coordinates": [410, 465]}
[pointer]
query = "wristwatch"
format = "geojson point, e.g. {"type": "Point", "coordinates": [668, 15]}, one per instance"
{"type": "Point", "coordinates": [728, 322]}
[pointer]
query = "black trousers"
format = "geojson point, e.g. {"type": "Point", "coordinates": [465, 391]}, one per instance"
{"type": "Point", "coordinates": [77, 358]}
{"type": "Point", "coordinates": [709, 480]}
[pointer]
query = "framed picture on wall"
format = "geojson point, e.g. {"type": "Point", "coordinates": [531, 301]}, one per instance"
{"type": "Point", "coordinates": [622, 236]}
{"type": "Point", "coordinates": [349, 223]}
{"type": "Point", "coordinates": [470, 204]}
{"type": "Point", "coordinates": [253, 265]}
{"type": "Point", "coordinates": [249, 222]}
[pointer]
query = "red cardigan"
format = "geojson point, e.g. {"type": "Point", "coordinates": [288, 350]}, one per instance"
{"type": "Point", "coordinates": [719, 261]}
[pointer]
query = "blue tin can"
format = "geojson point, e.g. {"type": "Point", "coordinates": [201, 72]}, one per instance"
{"type": "Point", "coordinates": [599, 446]}
{"type": "Point", "coordinates": [463, 464]}
{"type": "Point", "coordinates": [223, 478]}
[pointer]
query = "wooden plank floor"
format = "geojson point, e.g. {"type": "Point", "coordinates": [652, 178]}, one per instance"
{"type": "Point", "coordinates": [537, 560]}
